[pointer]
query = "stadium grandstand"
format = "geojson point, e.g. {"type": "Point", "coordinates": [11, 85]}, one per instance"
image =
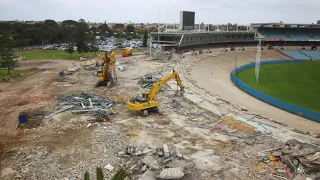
{"type": "Point", "coordinates": [302, 54]}
{"type": "Point", "coordinates": [273, 32]}
{"type": "Point", "coordinates": [229, 35]}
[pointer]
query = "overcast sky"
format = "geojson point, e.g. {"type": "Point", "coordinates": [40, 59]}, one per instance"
{"type": "Point", "coordinates": [213, 11]}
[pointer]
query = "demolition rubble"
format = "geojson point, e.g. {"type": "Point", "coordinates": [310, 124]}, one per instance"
{"type": "Point", "coordinates": [161, 162]}
{"type": "Point", "coordinates": [83, 103]}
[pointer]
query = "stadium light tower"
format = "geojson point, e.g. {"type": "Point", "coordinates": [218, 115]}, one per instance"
{"type": "Point", "coordinates": [258, 59]}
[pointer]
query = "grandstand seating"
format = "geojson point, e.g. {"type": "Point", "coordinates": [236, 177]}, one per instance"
{"type": "Point", "coordinates": [273, 33]}
{"type": "Point", "coordinates": [291, 34]}
{"type": "Point", "coordinates": [300, 36]}
{"type": "Point", "coordinates": [296, 54]}
{"type": "Point", "coordinates": [315, 34]}
{"type": "Point", "coordinates": [311, 54]}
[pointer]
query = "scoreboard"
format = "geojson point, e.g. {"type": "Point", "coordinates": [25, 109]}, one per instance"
{"type": "Point", "coordinates": [187, 20]}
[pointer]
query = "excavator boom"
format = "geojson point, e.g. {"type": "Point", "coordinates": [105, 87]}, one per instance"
{"type": "Point", "coordinates": [107, 72]}
{"type": "Point", "coordinates": [154, 91]}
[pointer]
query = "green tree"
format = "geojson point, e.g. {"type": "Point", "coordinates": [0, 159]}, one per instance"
{"type": "Point", "coordinates": [86, 176]}
{"type": "Point", "coordinates": [120, 175]}
{"type": "Point", "coordinates": [93, 48]}
{"type": "Point", "coordinates": [99, 173]}
{"type": "Point", "coordinates": [129, 37]}
{"type": "Point", "coordinates": [118, 26]}
{"type": "Point", "coordinates": [67, 30]}
{"type": "Point", "coordinates": [104, 28]}
{"type": "Point", "coordinates": [81, 37]}
{"type": "Point", "coordinates": [51, 29]}
{"type": "Point", "coordinates": [130, 28]}
{"type": "Point", "coordinates": [145, 38]}
{"type": "Point", "coordinates": [70, 49]}
{"type": "Point", "coordinates": [6, 52]}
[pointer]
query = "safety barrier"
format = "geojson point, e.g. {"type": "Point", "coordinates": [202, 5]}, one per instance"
{"type": "Point", "coordinates": [271, 100]}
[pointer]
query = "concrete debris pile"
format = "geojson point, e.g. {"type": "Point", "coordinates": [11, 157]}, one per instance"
{"type": "Point", "coordinates": [161, 162]}
{"type": "Point", "coordinates": [73, 67]}
{"type": "Point", "coordinates": [223, 129]}
{"type": "Point", "coordinates": [91, 68]}
{"type": "Point", "coordinates": [121, 67]}
{"type": "Point", "coordinates": [161, 55]}
{"type": "Point", "coordinates": [30, 162]}
{"type": "Point", "coordinates": [295, 158]}
{"type": "Point", "coordinates": [90, 104]}
{"type": "Point", "coordinates": [195, 116]}
{"type": "Point", "coordinates": [147, 81]}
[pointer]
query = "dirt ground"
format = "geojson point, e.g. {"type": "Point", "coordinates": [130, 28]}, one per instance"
{"type": "Point", "coordinates": [218, 138]}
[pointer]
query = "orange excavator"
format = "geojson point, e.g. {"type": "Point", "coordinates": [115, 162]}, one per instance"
{"type": "Point", "coordinates": [126, 52]}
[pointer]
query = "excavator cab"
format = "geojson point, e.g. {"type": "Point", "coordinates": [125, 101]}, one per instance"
{"type": "Point", "coordinates": [145, 95]}
{"type": "Point", "coordinates": [148, 101]}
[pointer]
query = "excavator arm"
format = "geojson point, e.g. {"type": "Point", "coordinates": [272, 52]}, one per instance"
{"type": "Point", "coordinates": [154, 91]}
{"type": "Point", "coordinates": [149, 101]}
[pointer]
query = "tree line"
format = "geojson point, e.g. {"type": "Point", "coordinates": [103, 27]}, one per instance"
{"type": "Point", "coordinates": [68, 31]}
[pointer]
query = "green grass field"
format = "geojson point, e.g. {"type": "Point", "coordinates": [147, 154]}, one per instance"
{"type": "Point", "coordinates": [50, 54]}
{"type": "Point", "coordinates": [4, 71]}
{"type": "Point", "coordinates": [295, 83]}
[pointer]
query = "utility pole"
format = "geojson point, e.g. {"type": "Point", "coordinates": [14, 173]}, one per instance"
{"type": "Point", "coordinates": [166, 21]}
{"type": "Point", "coordinates": [159, 28]}
{"type": "Point", "coordinates": [174, 19]}
{"type": "Point", "coordinates": [208, 21]}
{"type": "Point", "coordinates": [150, 44]}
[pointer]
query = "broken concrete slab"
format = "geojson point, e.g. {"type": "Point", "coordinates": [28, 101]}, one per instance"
{"type": "Point", "coordinates": [151, 162]}
{"type": "Point", "coordinates": [178, 153]}
{"type": "Point", "coordinates": [146, 151]}
{"type": "Point", "coordinates": [121, 153]}
{"type": "Point", "coordinates": [171, 173]}
{"type": "Point", "coordinates": [166, 151]}
{"type": "Point", "coordinates": [286, 160]}
{"type": "Point", "coordinates": [276, 153]}
{"type": "Point", "coordinates": [144, 168]}
{"type": "Point", "coordinates": [148, 160]}
{"type": "Point", "coordinates": [167, 160]}
{"type": "Point", "coordinates": [73, 67]}
{"type": "Point", "coordinates": [175, 163]}
{"type": "Point", "coordinates": [187, 158]}
{"type": "Point", "coordinates": [109, 167]}
{"type": "Point", "coordinates": [304, 152]}
{"type": "Point", "coordinates": [148, 175]}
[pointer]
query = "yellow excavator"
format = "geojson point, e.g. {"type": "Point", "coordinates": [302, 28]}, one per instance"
{"type": "Point", "coordinates": [148, 101]}
{"type": "Point", "coordinates": [106, 70]}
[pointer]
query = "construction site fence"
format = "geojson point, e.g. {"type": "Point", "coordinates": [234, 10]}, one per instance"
{"type": "Point", "coordinates": [306, 113]}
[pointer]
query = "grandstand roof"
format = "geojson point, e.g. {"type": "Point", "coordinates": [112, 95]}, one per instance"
{"type": "Point", "coordinates": [202, 32]}
{"type": "Point", "coordinates": [285, 25]}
